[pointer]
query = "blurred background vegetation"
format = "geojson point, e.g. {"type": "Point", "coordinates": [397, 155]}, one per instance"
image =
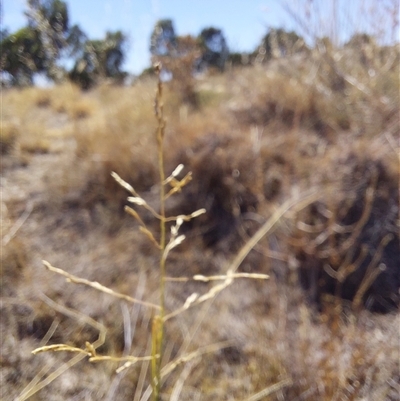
{"type": "Point", "coordinates": [51, 45]}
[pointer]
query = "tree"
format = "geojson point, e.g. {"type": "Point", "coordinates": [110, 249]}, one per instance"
{"type": "Point", "coordinates": [163, 38]}
{"type": "Point", "coordinates": [51, 20]}
{"type": "Point", "coordinates": [238, 59]}
{"type": "Point", "coordinates": [24, 52]}
{"type": "Point", "coordinates": [41, 46]}
{"type": "Point", "coordinates": [100, 59]}
{"type": "Point", "coordinates": [3, 34]}
{"type": "Point", "coordinates": [215, 51]}
{"type": "Point", "coordinates": [22, 56]}
{"type": "Point", "coordinates": [179, 56]}
{"type": "Point", "coordinates": [279, 43]}
{"type": "Point", "coordinates": [76, 42]}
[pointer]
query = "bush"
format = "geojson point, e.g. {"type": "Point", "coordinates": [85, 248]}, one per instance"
{"type": "Point", "coordinates": [351, 249]}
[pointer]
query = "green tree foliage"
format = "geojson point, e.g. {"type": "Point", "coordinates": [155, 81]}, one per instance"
{"type": "Point", "coordinates": [3, 34]}
{"type": "Point", "coordinates": [215, 51]}
{"type": "Point", "coordinates": [22, 55]}
{"type": "Point", "coordinates": [50, 16]}
{"type": "Point", "coordinates": [100, 59]}
{"type": "Point", "coordinates": [76, 41]}
{"type": "Point", "coordinates": [48, 38]}
{"type": "Point", "coordinates": [51, 20]}
{"type": "Point", "coordinates": [37, 47]}
{"type": "Point", "coordinates": [235, 58]}
{"type": "Point", "coordinates": [163, 39]}
{"type": "Point", "coordinates": [56, 13]}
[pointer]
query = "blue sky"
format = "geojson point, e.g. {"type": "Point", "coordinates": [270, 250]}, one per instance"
{"type": "Point", "coordinates": [243, 22]}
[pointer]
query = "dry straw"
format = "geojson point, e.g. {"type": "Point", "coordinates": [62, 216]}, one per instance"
{"type": "Point", "coordinates": [168, 187]}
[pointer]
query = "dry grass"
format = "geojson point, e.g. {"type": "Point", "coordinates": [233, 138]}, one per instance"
{"type": "Point", "coordinates": [259, 137]}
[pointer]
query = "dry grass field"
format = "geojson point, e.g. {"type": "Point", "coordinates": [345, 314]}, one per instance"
{"type": "Point", "coordinates": [320, 134]}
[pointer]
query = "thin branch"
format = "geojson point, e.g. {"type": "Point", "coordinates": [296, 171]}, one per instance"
{"type": "Point", "coordinates": [269, 390]}
{"type": "Point", "coordinates": [97, 286]}
{"type": "Point", "coordinates": [18, 224]}
{"type": "Point", "coordinates": [205, 279]}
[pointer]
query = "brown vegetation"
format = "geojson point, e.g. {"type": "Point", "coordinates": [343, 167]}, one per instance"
{"type": "Point", "coordinates": [258, 137]}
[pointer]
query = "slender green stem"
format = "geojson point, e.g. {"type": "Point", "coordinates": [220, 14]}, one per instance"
{"type": "Point", "coordinates": [158, 324]}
